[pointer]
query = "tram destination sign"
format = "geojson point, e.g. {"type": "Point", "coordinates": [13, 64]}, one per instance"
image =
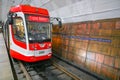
{"type": "Point", "coordinates": [38, 18]}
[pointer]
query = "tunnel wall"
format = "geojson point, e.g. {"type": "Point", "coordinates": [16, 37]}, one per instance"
{"type": "Point", "coordinates": [94, 45]}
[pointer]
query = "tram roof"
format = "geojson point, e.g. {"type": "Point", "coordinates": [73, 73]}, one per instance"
{"type": "Point", "coordinates": [29, 9]}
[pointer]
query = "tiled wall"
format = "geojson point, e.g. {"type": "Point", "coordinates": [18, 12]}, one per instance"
{"type": "Point", "coordinates": [92, 44]}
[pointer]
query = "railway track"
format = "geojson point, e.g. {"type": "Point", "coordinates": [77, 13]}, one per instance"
{"type": "Point", "coordinates": [26, 74]}
{"type": "Point", "coordinates": [54, 69]}
{"type": "Point", "coordinates": [65, 71]}
{"type": "Point", "coordinates": [44, 70]}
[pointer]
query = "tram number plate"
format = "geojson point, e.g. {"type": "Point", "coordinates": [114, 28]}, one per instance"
{"type": "Point", "coordinates": [41, 52]}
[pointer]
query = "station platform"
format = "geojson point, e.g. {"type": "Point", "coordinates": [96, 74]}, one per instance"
{"type": "Point", "coordinates": [5, 67]}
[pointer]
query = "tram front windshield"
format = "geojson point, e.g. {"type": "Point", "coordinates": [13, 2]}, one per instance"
{"type": "Point", "coordinates": [38, 29]}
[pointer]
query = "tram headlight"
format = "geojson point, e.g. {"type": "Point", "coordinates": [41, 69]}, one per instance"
{"type": "Point", "coordinates": [49, 45]}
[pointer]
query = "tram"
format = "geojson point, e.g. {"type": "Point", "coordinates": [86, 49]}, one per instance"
{"type": "Point", "coordinates": [27, 33]}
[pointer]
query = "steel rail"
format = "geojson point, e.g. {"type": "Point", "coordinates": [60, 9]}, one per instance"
{"type": "Point", "coordinates": [65, 71]}
{"type": "Point", "coordinates": [28, 77]}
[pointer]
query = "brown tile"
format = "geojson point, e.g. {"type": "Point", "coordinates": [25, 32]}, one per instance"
{"type": "Point", "coordinates": [73, 29]}
{"type": "Point", "coordinates": [115, 52]}
{"type": "Point", "coordinates": [105, 49]}
{"type": "Point", "coordinates": [70, 56]}
{"type": "Point", "coordinates": [96, 25]}
{"type": "Point", "coordinates": [109, 60]}
{"type": "Point", "coordinates": [77, 44]}
{"type": "Point", "coordinates": [79, 29]}
{"type": "Point", "coordinates": [89, 25]}
{"type": "Point", "coordinates": [55, 29]}
{"type": "Point", "coordinates": [72, 49]}
{"type": "Point", "coordinates": [76, 51]}
{"type": "Point", "coordinates": [117, 62]}
{"type": "Point", "coordinates": [81, 52]}
{"type": "Point", "coordinates": [91, 65]}
{"type": "Point", "coordinates": [91, 55]}
{"type": "Point", "coordinates": [93, 47]}
{"type": "Point", "coordinates": [87, 63]}
{"type": "Point", "coordinates": [108, 25]}
{"type": "Point", "coordinates": [118, 76]}
{"type": "Point", "coordinates": [72, 43]}
{"type": "Point", "coordinates": [115, 42]}
{"type": "Point", "coordinates": [84, 45]}
{"type": "Point", "coordinates": [64, 54]}
{"type": "Point", "coordinates": [65, 29]}
{"type": "Point", "coordinates": [66, 41]}
{"type": "Point", "coordinates": [103, 32]}
{"type": "Point", "coordinates": [119, 54]}
{"type": "Point", "coordinates": [117, 25]}
{"type": "Point", "coordinates": [84, 25]}
{"type": "Point", "coordinates": [95, 28]}
{"type": "Point", "coordinates": [65, 48]}
{"type": "Point", "coordinates": [79, 60]}
{"type": "Point", "coordinates": [99, 58]}
{"type": "Point", "coordinates": [109, 72]}
{"type": "Point", "coordinates": [98, 68]}
{"type": "Point", "coordinates": [68, 29]}
{"type": "Point", "coordinates": [115, 32]}
{"type": "Point", "coordinates": [104, 70]}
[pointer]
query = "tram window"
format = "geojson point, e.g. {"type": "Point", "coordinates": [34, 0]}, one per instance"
{"type": "Point", "coordinates": [18, 29]}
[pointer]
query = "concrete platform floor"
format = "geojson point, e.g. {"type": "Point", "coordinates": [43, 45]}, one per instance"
{"type": "Point", "coordinates": [5, 68]}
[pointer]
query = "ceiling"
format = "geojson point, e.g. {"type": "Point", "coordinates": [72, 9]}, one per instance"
{"type": "Point", "coordinates": [69, 10]}
{"type": "Point", "coordinates": [51, 5]}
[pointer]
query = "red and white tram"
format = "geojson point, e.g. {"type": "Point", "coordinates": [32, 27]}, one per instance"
{"type": "Point", "coordinates": [28, 33]}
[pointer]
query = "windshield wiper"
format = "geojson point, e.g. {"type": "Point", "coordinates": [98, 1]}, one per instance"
{"type": "Point", "coordinates": [45, 40]}
{"type": "Point", "coordinates": [39, 41]}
